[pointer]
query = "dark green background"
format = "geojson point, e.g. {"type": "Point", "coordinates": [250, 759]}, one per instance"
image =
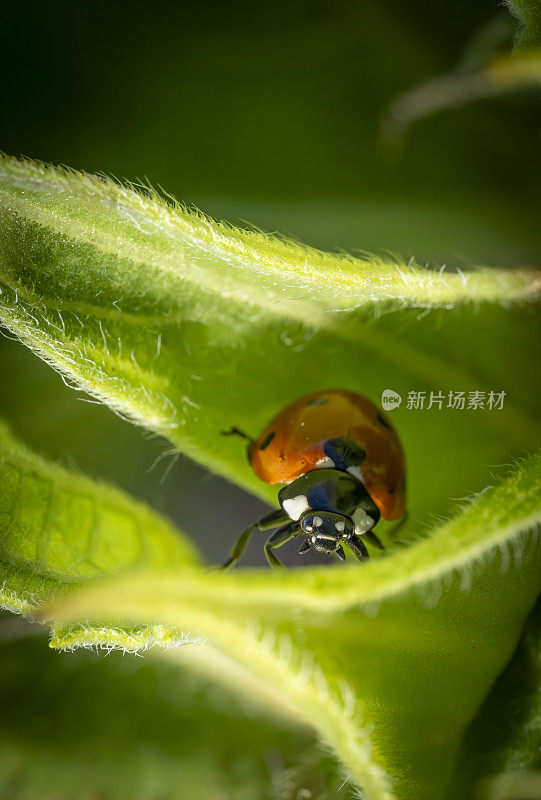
{"type": "Point", "coordinates": [266, 113]}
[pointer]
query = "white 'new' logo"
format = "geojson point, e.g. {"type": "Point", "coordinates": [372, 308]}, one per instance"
{"type": "Point", "coordinates": [390, 399]}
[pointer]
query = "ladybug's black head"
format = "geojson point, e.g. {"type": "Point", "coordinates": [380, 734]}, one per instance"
{"type": "Point", "coordinates": [326, 530]}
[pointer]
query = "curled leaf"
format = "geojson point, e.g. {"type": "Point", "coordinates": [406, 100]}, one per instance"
{"type": "Point", "coordinates": [58, 529]}
{"type": "Point", "coordinates": [389, 662]}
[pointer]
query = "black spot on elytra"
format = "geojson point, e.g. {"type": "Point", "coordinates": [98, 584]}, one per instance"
{"type": "Point", "coordinates": [318, 401]}
{"type": "Point", "coordinates": [383, 421]}
{"type": "Point", "coordinates": [267, 440]}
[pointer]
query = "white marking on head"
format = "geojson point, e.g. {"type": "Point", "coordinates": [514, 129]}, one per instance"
{"type": "Point", "coordinates": [340, 525]}
{"type": "Point", "coordinates": [357, 473]}
{"type": "Point", "coordinates": [363, 522]}
{"type": "Point", "coordinates": [317, 521]}
{"type": "Point", "coordinates": [324, 463]}
{"type": "Point", "coordinates": [295, 506]}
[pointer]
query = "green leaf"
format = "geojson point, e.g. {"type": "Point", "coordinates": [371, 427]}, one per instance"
{"type": "Point", "coordinates": [390, 661]}
{"type": "Point", "coordinates": [188, 327]}
{"type": "Point", "coordinates": [528, 13]}
{"type": "Point", "coordinates": [77, 726]}
{"type": "Point", "coordinates": [506, 733]}
{"type": "Point", "coordinates": [58, 529]}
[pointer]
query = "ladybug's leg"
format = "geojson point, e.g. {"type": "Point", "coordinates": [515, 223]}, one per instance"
{"type": "Point", "coordinates": [373, 539]}
{"type": "Point", "coordinates": [359, 548]}
{"type": "Point", "coordinates": [279, 538]}
{"type": "Point", "coordinates": [394, 530]}
{"type": "Point", "coordinates": [271, 520]}
{"type": "Point", "coordinates": [340, 553]}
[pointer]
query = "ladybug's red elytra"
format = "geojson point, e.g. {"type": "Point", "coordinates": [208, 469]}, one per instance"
{"type": "Point", "coordinates": [343, 468]}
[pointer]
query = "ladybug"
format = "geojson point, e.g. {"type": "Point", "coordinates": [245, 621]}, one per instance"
{"type": "Point", "coordinates": [343, 468]}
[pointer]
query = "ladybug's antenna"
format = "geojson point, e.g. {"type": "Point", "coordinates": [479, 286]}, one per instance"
{"type": "Point", "coordinates": [236, 432]}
